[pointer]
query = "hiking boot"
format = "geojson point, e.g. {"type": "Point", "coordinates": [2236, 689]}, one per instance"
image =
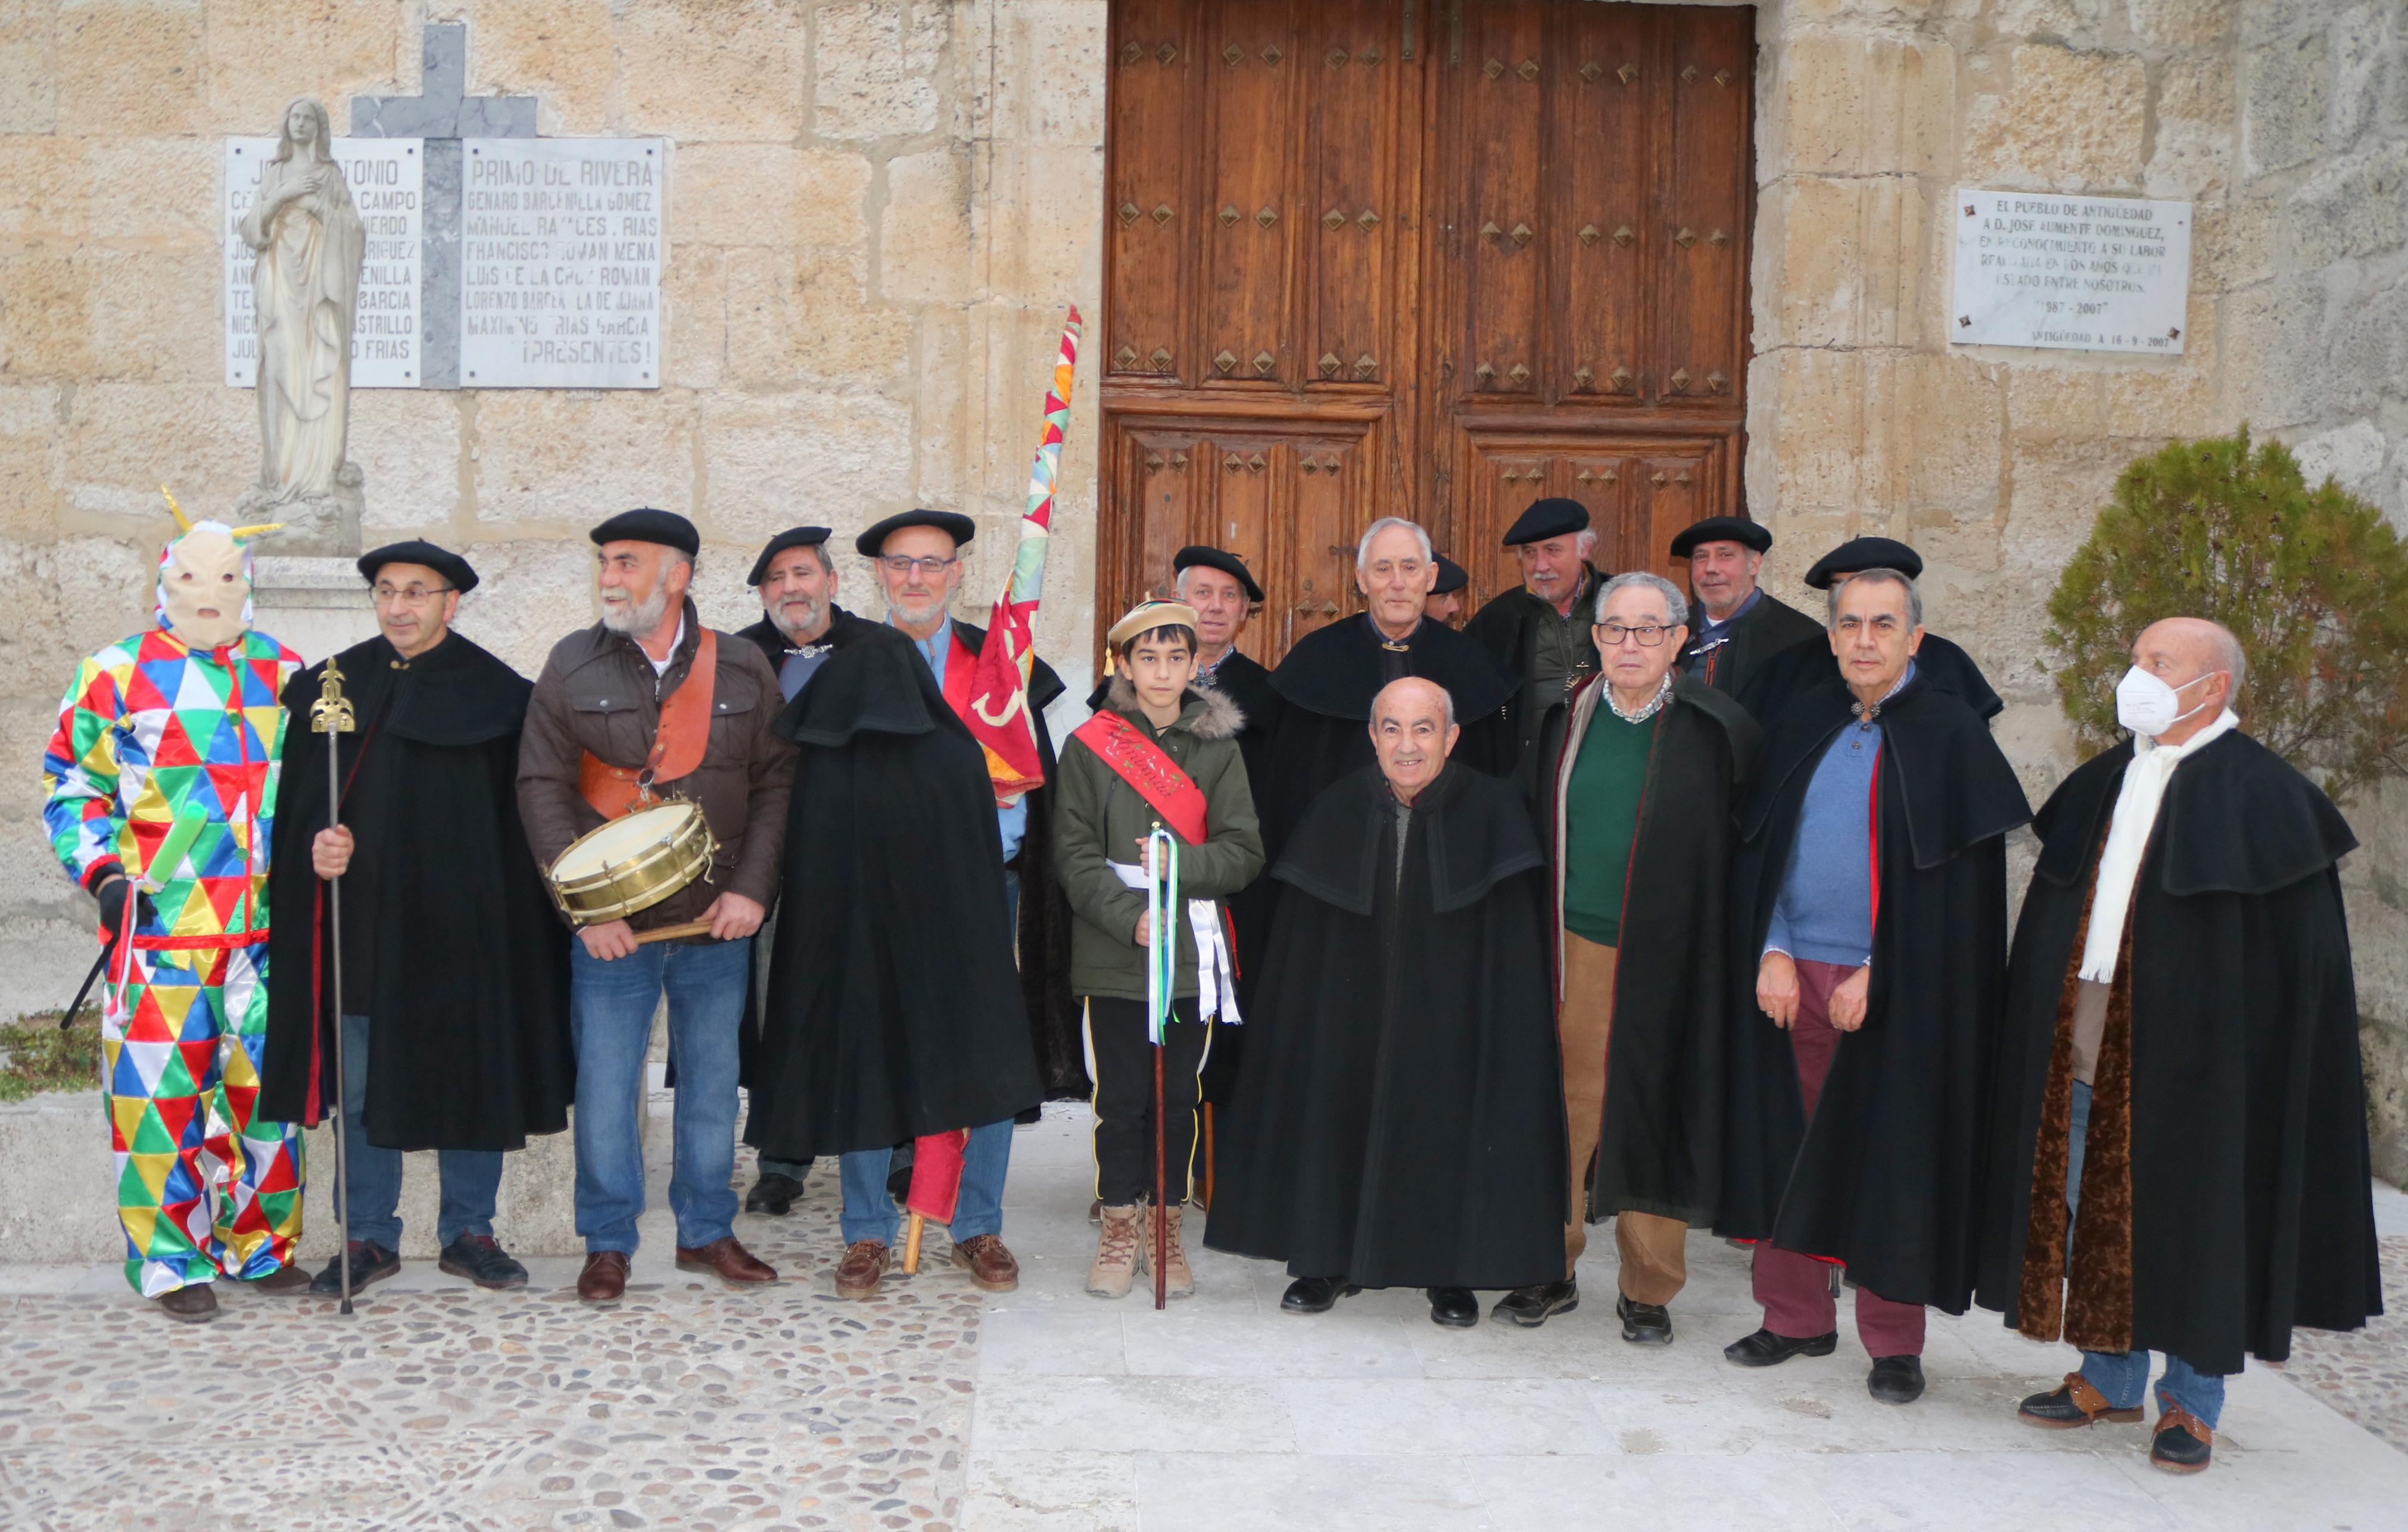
{"type": "Point", "coordinates": [192, 1305]}
{"type": "Point", "coordinates": [480, 1257]}
{"type": "Point", "coordinates": [370, 1263]}
{"type": "Point", "coordinates": [863, 1267]}
{"type": "Point", "coordinates": [991, 1266]}
{"type": "Point", "coordinates": [1117, 1257]}
{"type": "Point", "coordinates": [1179, 1279]}
{"type": "Point", "coordinates": [1643, 1323]}
{"type": "Point", "coordinates": [1531, 1307]}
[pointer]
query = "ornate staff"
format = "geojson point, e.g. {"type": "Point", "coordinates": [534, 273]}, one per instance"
{"type": "Point", "coordinates": [1161, 910]}
{"type": "Point", "coordinates": [332, 715]}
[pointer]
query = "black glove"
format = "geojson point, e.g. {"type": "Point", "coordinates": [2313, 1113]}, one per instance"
{"type": "Point", "coordinates": [115, 896]}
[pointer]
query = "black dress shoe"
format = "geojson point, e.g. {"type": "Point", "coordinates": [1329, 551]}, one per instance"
{"type": "Point", "coordinates": [370, 1263]}
{"type": "Point", "coordinates": [1316, 1295]}
{"type": "Point", "coordinates": [1531, 1307]}
{"type": "Point", "coordinates": [1764, 1349]}
{"type": "Point", "coordinates": [1896, 1380]}
{"type": "Point", "coordinates": [481, 1259]}
{"type": "Point", "coordinates": [773, 1194]}
{"type": "Point", "coordinates": [1644, 1323]}
{"type": "Point", "coordinates": [1457, 1307]}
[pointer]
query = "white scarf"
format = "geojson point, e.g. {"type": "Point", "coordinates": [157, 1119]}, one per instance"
{"type": "Point", "coordinates": [2128, 839]}
{"type": "Point", "coordinates": [1216, 973]}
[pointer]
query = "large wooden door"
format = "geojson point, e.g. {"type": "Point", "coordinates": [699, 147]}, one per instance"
{"type": "Point", "coordinates": [1433, 259]}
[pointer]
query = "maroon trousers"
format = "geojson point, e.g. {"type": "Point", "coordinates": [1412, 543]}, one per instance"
{"type": "Point", "coordinates": [1795, 1289]}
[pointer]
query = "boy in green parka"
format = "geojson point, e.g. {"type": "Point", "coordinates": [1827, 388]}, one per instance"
{"type": "Point", "coordinates": [1155, 754]}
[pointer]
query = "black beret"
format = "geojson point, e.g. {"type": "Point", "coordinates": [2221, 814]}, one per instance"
{"type": "Point", "coordinates": [644, 524]}
{"type": "Point", "coordinates": [1214, 558]}
{"type": "Point", "coordinates": [444, 562]}
{"type": "Point", "coordinates": [1550, 518]}
{"type": "Point", "coordinates": [1451, 577]}
{"type": "Point", "coordinates": [1857, 554]}
{"type": "Point", "coordinates": [951, 523]}
{"type": "Point", "coordinates": [794, 536]}
{"type": "Point", "coordinates": [1737, 529]}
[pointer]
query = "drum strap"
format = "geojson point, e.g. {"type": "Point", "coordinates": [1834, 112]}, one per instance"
{"type": "Point", "coordinates": [678, 741]}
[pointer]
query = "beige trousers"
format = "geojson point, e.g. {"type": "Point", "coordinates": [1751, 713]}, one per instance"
{"type": "Point", "coordinates": [1653, 1248]}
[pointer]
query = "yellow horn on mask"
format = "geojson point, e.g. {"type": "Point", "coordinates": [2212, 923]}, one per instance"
{"type": "Point", "coordinates": [238, 534]}
{"type": "Point", "coordinates": [183, 522]}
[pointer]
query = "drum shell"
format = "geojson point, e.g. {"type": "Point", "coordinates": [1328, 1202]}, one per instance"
{"type": "Point", "coordinates": [618, 890]}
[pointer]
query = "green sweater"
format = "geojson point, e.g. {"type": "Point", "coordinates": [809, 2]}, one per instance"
{"type": "Point", "coordinates": [1099, 818]}
{"type": "Point", "coordinates": [1601, 820]}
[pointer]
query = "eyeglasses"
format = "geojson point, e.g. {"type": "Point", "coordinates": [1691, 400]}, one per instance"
{"type": "Point", "coordinates": [1649, 635]}
{"type": "Point", "coordinates": [897, 564]}
{"type": "Point", "coordinates": [409, 596]}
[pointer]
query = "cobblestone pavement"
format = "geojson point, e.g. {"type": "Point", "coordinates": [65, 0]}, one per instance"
{"type": "Point", "coordinates": [2364, 1374]}
{"type": "Point", "coordinates": [689, 1405]}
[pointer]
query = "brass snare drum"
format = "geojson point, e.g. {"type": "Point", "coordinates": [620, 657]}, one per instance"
{"type": "Point", "coordinates": [631, 862]}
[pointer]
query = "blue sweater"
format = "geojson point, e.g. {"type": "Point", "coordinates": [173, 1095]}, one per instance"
{"type": "Point", "coordinates": [1825, 914]}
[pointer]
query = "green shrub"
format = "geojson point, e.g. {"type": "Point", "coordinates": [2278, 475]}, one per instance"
{"type": "Point", "coordinates": [36, 1056]}
{"type": "Point", "coordinates": [2312, 581]}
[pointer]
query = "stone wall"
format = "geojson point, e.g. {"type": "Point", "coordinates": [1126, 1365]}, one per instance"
{"type": "Point", "coordinates": [877, 208]}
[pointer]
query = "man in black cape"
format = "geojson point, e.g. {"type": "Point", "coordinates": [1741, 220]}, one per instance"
{"type": "Point", "coordinates": [1327, 682]}
{"type": "Point", "coordinates": [1403, 1123]}
{"type": "Point", "coordinates": [455, 968]}
{"type": "Point", "coordinates": [1808, 661]}
{"type": "Point", "coordinates": [1539, 629]}
{"type": "Point", "coordinates": [2179, 1091]}
{"type": "Point", "coordinates": [795, 581]}
{"type": "Point", "coordinates": [1871, 879]}
{"type": "Point", "coordinates": [1736, 625]}
{"type": "Point", "coordinates": [893, 1010]}
{"type": "Point", "coordinates": [1635, 783]}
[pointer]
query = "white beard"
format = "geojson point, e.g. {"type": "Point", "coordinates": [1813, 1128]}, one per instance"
{"type": "Point", "coordinates": [637, 618]}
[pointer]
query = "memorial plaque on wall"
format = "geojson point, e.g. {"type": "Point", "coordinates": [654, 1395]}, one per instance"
{"type": "Point", "coordinates": [560, 263]}
{"type": "Point", "coordinates": [388, 181]}
{"type": "Point", "coordinates": [2099, 274]}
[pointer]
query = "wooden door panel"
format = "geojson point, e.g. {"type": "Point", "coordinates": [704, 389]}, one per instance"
{"type": "Point", "coordinates": [1250, 211]}
{"type": "Point", "coordinates": [1151, 218]}
{"type": "Point", "coordinates": [1701, 351]}
{"type": "Point", "coordinates": [1605, 137]}
{"type": "Point", "coordinates": [1317, 560]}
{"type": "Point", "coordinates": [1350, 74]}
{"type": "Point", "coordinates": [1495, 220]}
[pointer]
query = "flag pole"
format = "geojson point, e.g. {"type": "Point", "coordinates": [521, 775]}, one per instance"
{"type": "Point", "coordinates": [1161, 990]}
{"type": "Point", "coordinates": [332, 715]}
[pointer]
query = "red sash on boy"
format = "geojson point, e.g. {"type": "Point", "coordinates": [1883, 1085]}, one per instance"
{"type": "Point", "coordinates": [1138, 761]}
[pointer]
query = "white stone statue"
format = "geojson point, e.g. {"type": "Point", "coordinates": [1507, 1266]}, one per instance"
{"type": "Point", "coordinates": [304, 289]}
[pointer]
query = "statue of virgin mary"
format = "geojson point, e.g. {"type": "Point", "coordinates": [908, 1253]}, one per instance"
{"type": "Point", "coordinates": [305, 287]}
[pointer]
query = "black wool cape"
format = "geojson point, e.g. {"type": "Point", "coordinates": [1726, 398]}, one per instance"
{"type": "Point", "coordinates": [455, 951]}
{"type": "Point", "coordinates": [1325, 685]}
{"type": "Point", "coordinates": [2250, 1208]}
{"type": "Point", "coordinates": [1508, 627]}
{"type": "Point", "coordinates": [894, 1007]}
{"type": "Point", "coordinates": [1760, 635]}
{"type": "Point", "coordinates": [1886, 1176]}
{"type": "Point", "coordinates": [1404, 1110]}
{"type": "Point", "coordinates": [1660, 1150]}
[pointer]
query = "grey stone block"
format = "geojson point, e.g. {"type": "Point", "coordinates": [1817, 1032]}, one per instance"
{"type": "Point", "coordinates": [2285, 95]}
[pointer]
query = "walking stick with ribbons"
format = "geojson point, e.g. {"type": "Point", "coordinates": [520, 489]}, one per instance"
{"type": "Point", "coordinates": [333, 716]}
{"type": "Point", "coordinates": [1162, 912]}
{"type": "Point", "coordinates": [160, 867]}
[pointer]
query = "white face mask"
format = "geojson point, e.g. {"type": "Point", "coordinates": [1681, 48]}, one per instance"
{"type": "Point", "coordinates": [2147, 706]}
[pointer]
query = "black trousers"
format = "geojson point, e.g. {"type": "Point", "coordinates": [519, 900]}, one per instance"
{"type": "Point", "coordinates": [1122, 1061]}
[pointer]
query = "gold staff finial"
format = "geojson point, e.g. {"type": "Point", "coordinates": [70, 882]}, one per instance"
{"type": "Point", "coordinates": [332, 712]}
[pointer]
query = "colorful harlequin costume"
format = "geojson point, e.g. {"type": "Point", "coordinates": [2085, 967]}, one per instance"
{"type": "Point", "coordinates": [183, 721]}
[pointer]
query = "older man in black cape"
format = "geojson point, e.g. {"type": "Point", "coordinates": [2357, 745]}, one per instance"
{"type": "Point", "coordinates": [1327, 682]}
{"type": "Point", "coordinates": [1404, 1097]}
{"type": "Point", "coordinates": [1636, 780]}
{"type": "Point", "coordinates": [1871, 879]}
{"type": "Point", "coordinates": [1808, 663]}
{"type": "Point", "coordinates": [455, 968]}
{"type": "Point", "coordinates": [1539, 629]}
{"type": "Point", "coordinates": [894, 1008]}
{"type": "Point", "coordinates": [2179, 1093]}
{"type": "Point", "coordinates": [1736, 625]}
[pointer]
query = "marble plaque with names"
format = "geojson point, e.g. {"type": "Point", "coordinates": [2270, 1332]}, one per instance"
{"type": "Point", "coordinates": [561, 251]}
{"type": "Point", "coordinates": [387, 184]}
{"type": "Point", "coordinates": [2082, 273]}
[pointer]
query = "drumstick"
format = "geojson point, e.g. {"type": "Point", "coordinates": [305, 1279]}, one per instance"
{"type": "Point", "coordinates": [674, 933]}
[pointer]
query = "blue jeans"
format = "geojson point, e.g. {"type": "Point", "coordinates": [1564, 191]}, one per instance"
{"type": "Point", "coordinates": [372, 1176]}
{"type": "Point", "coordinates": [869, 1210]}
{"type": "Point", "coordinates": [611, 1021]}
{"type": "Point", "coordinates": [2124, 1376]}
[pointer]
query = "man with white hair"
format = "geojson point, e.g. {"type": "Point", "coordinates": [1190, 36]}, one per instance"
{"type": "Point", "coordinates": [1539, 629]}
{"type": "Point", "coordinates": [1328, 678]}
{"type": "Point", "coordinates": [1403, 1124]}
{"type": "Point", "coordinates": [650, 699]}
{"type": "Point", "coordinates": [1636, 782]}
{"type": "Point", "coordinates": [2179, 1156]}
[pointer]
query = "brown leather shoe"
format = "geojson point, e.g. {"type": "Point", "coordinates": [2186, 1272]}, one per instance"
{"type": "Point", "coordinates": [288, 1282]}
{"type": "Point", "coordinates": [991, 1266]}
{"type": "Point", "coordinates": [193, 1305]}
{"type": "Point", "coordinates": [858, 1274]}
{"type": "Point", "coordinates": [729, 1261]}
{"type": "Point", "coordinates": [605, 1277]}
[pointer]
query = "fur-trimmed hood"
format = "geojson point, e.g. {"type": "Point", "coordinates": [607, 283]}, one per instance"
{"type": "Point", "coordinates": [1209, 714]}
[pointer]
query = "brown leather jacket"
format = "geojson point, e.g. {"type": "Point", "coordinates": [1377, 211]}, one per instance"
{"type": "Point", "coordinates": [598, 693]}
